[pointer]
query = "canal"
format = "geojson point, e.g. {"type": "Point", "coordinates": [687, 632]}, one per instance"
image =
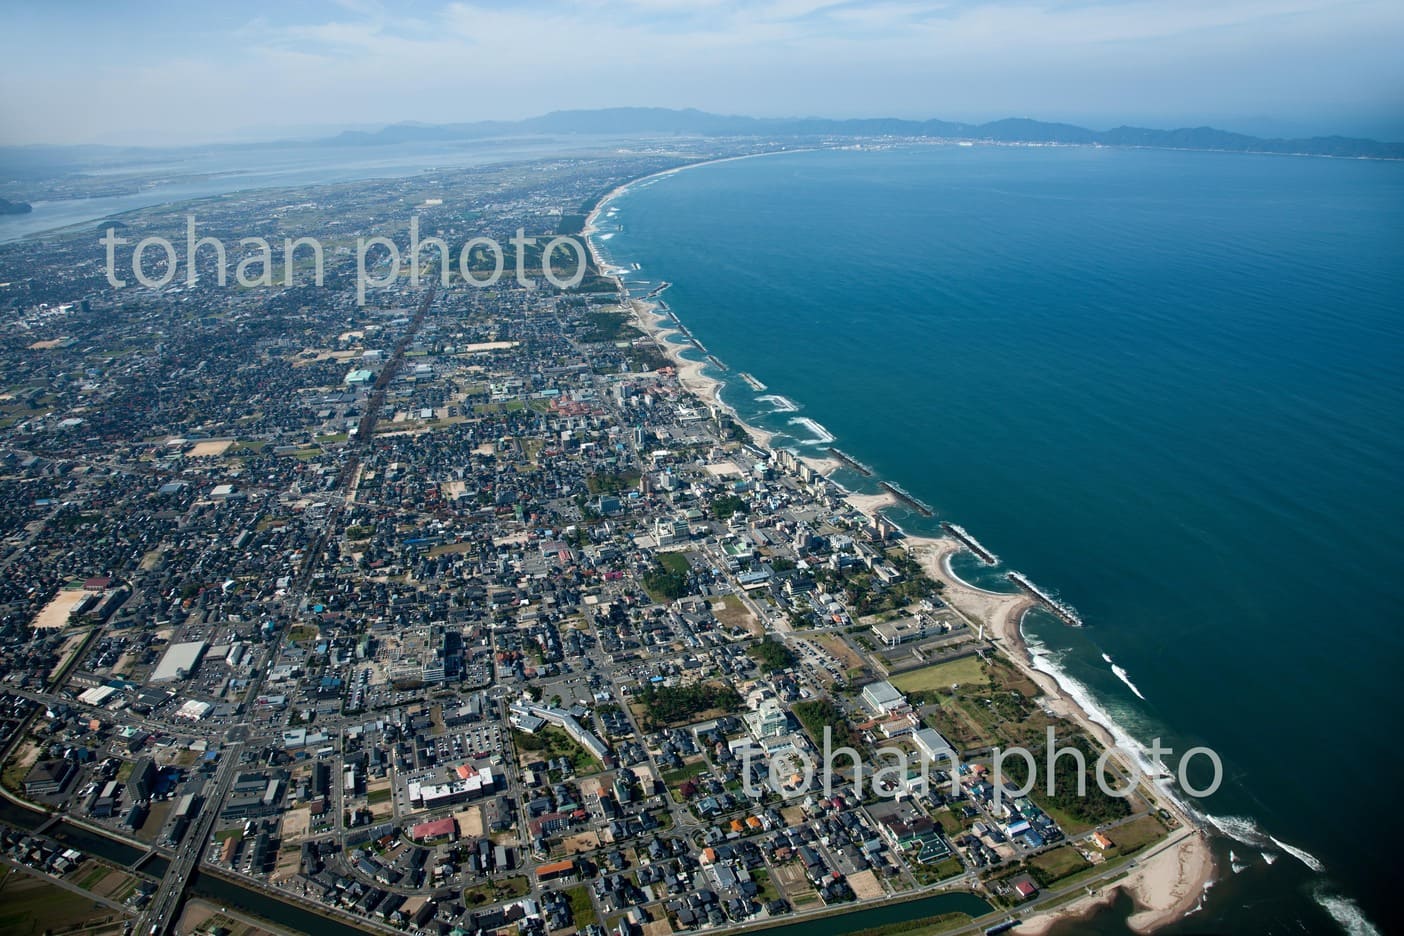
{"type": "Point", "coordinates": [886, 915]}
{"type": "Point", "coordinates": [216, 890]}
{"type": "Point", "coordinates": [292, 916]}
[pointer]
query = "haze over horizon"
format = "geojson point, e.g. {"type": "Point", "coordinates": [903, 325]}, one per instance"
{"type": "Point", "coordinates": [175, 75]}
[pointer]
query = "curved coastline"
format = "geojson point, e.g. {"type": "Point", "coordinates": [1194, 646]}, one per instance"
{"type": "Point", "coordinates": [1167, 883]}
{"type": "Point", "coordinates": [589, 226]}
{"type": "Point", "coordinates": [950, 571]}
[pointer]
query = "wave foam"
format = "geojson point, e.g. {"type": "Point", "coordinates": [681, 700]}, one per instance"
{"type": "Point", "coordinates": [778, 403]}
{"type": "Point", "coordinates": [1203, 896]}
{"type": "Point", "coordinates": [1301, 854]}
{"type": "Point", "coordinates": [1346, 913]}
{"type": "Point", "coordinates": [1239, 828]}
{"type": "Point", "coordinates": [1045, 662]}
{"type": "Point", "coordinates": [1121, 675]}
{"type": "Point", "coordinates": [1245, 830]}
{"type": "Point", "coordinates": [822, 436]}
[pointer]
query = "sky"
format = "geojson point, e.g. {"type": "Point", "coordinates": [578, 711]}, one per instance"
{"type": "Point", "coordinates": [177, 72]}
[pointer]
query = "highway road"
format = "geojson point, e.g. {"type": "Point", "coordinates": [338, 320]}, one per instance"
{"type": "Point", "coordinates": [166, 903]}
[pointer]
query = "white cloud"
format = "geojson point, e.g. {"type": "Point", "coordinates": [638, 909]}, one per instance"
{"type": "Point", "coordinates": [364, 62]}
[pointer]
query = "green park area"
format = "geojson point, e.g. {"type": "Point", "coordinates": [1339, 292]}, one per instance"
{"type": "Point", "coordinates": [490, 892]}
{"type": "Point", "coordinates": [966, 671]}
{"type": "Point", "coordinates": [551, 742]}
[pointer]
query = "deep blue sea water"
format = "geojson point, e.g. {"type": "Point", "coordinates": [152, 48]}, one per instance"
{"type": "Point", "coordinates": [1168, 385]}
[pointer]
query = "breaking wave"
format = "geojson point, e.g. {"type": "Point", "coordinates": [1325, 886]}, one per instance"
{"type": "Point", "coordinates": [822, 436]}
{"type": "Point", "coordinates": [1346, 913]}
{"type": "Point", "coordinates": [1121, 675]}
{"type": "Point", "coordinates": [778, 403]}
{"type": "Point", "coordinates": [1245, 830]}
{"type": "Point", "coordinates": [1301, 854]}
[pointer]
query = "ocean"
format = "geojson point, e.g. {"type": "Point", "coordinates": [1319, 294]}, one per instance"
{"type": "Point", "coordinates": [1166, 385]}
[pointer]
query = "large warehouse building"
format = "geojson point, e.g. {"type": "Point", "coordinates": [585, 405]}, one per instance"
{"type": "Point", "coordinates": [179, 662]}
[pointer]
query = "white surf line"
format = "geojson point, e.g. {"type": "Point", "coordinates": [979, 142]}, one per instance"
{"type": "Point", "coordinates": [1121, 675]}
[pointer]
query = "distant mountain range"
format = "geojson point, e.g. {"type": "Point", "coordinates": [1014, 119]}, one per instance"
{"type": "Point", "coordinates": [27, 164]}
{"type": "Point", "coordinates": [656, 120]}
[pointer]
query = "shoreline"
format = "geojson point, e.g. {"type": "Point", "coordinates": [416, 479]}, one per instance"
{"type": "Point", "coordinates": [1167, 883]}
{"type": "Point", "coordinates": [1166, 886]}
{"type": "Point", "coordinates": [588, 228]}
{"type": "Point", "coordinates": [654, 324]}
{"type": "Point", "coordinates": [691, 376]}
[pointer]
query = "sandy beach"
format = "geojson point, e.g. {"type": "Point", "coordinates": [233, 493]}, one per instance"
{"type": "Point", "coordinates": [1079, 909]}
{"type": "Point", "coordinates": [658, 326]}
{"type": "Point", "coordinates": [870, 504]}
{"type": "Point", "coordinates": [825, 466]}
{"type": "Point", "coordinates": [691, 376]}
{"type": "Point", "coordinates": [1170, 883]}
{"type": "Point", "coordinates": [1001, 614]}
{"type": "Point", "coordinates": [1167, 882]}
